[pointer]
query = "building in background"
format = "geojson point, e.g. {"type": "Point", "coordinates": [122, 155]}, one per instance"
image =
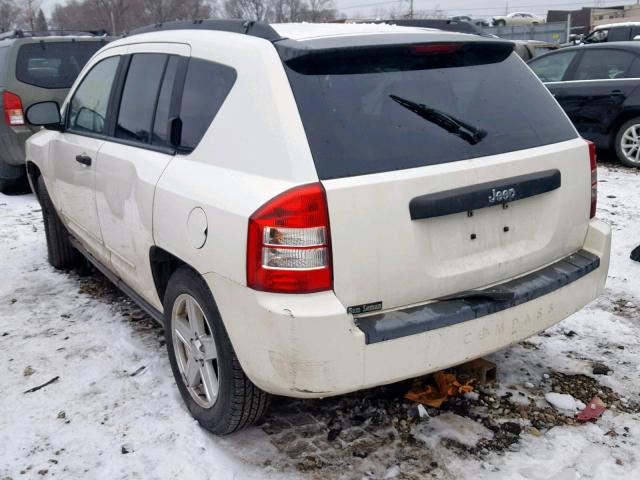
{"type": "Point", "coordinates": [629, 13]}
{"type": "Point", "coordinates": [583, 20]}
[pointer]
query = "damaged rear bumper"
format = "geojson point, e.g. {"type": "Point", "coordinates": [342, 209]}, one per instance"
{"type": "Point", "coordinates": [308, 345]}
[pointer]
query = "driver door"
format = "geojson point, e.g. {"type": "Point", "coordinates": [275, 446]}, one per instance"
{"type": "Point", "coordinates": [75, 150]}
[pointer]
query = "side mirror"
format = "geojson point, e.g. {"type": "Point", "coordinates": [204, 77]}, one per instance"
{"type": "Point", "coordinates": [45, 114]}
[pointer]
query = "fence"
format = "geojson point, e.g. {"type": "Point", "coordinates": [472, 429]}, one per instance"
{"type": "Point", "coordinates": [555, 32]}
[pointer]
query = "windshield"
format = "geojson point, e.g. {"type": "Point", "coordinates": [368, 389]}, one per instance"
{"type": "Point", "coordinates": [53, 64]}
{"type": "Point", "coordinates": [360, 123]}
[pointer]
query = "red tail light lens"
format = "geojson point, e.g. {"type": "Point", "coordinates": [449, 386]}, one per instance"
{"type": "Point", "coordinates": [594, 178]}
{"type": "Point", "coordinates": [13, 114]}
{"type": "Point", "coordinates": [288, 249]}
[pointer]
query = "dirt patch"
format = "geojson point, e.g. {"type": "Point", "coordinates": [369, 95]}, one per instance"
{"type": "Point", "coordinates": [363, 434]}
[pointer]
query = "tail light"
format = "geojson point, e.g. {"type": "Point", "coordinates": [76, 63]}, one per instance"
{"type": "Point", "coordinates": [288, 249]}
{"type": "Point", "coordinates": [13, 114]}
{"type": "Point", "coordinates": [594, 178]}
{"type": "Point", "coordinates": [435, 48]}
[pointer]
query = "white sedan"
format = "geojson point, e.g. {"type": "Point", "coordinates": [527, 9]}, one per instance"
{"type": "Point", "coordinates": [517, 18]}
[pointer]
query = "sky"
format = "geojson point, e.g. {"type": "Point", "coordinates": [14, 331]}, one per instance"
{"type": "Point", "coordinates": [483, 8]}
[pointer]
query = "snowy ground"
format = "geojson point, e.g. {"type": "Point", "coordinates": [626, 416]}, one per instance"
{"type": "Point", "coordinates": [108, 417]}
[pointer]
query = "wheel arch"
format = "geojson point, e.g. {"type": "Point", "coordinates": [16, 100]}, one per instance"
{"type": "Point", "coordinates": [163, 265]}
{"type": "Point", "coordinates": [33, 173]}
{"type": "Point", "coordinates": [618, 122]}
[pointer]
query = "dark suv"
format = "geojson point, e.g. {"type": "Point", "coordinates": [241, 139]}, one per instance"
{"type": "Point", "coordinates": [616, 32]}
{"type": "Point", "coordinates": [35, 67]}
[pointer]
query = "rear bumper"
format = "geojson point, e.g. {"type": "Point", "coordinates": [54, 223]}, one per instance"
{"type": "Point", "coordinates": [308, 346]}
{"type": "Point", "coordinates": [12, 142]}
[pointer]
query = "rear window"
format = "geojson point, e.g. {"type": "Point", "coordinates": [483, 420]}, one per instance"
{"type": "Point", "coordinates": [53, 64]}
{"type": "Point", "coordinates": [373, 115]}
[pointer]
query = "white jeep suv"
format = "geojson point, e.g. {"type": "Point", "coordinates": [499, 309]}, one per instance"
{"type": "Point", "coordinates": [316, 209]}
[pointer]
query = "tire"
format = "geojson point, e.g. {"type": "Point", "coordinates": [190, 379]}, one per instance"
{"type": "Point", "coordinates": [60, 252]}
{"type": "Point", "coordinates": [12, 178]}
{"type": "Point", "coordinates": [625, 142]}
{"type": "Point", "coordinates": [238, 403]}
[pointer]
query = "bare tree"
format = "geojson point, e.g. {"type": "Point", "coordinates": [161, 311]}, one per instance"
{"type": "Point", "coordinates": [257, 10]}
{"type": "Point", "coordinates": [29, 13]}
{"type": "Point", "coordinates": [41, 22]}
{"type": "Point", "coordinates": [283, 11]}
{"type": "Point", "coordinates": [118, 16]}
{"type": "Point", "coordinates": [322, 11]}
{"type": "Point", "coordinates": [9, 15]}
{"type": "Point", "coordinates": [157, 11]}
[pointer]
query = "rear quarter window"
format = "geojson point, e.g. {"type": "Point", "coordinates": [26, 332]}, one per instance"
{"type": "Point", "coordinates": [206, 86]}
{"type": "Point", "coordinates": [619, 34]}
{"type": "Point", "coordinates": [53, 64]}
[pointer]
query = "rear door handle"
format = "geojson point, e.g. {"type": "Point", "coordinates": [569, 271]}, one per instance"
{"type": "Point", "coordinates": [616, 93]}
{"type": "Point", "coordinates": [83, 159]}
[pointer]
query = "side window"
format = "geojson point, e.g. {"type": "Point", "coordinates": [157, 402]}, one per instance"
{"type": "Point", "coordinates": [88, 107]}
{"type": "Point", "coordinates": [205, 88]}
{"type": "Point", "coordinates": [552, 68]}
{"type": "Point", "coordinates": [620, 34]}
{"type": "Point", "coordinates": [161, 122]}
{"type": "Point", "coordinates": [139, 95]}
{"type": "Point", "coordinates": [634, 71]}
{"type": "Point", "coordinates": [603, 63]}
{"type": "Point", "coordinates": [598, 36]}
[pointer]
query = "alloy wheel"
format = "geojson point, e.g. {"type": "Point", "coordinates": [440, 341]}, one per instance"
{"type": "Point", "coordinates": [195, 350]}
{"type": "Point", "coordinates": [630, 144]}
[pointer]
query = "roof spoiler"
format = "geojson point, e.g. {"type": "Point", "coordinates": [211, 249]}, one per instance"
{"type": "Point", "coordinates": [398, 55]}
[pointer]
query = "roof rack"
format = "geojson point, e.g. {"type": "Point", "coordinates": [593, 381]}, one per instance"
{"type": "Point", "coordinates": [17, 33]}
{"type": "Point", "coordinates": [244, 27]}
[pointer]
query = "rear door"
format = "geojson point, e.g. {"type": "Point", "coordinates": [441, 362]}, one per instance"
{"type": "Point", "coordinates": [133, 158]}
{"type": "Point", "coordinates": [594, 93]}
{"type": "Point", "coordinates": [426, 156]}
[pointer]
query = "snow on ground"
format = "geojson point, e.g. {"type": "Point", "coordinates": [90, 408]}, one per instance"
{"type": "Point", "coordinates": [107, 417]}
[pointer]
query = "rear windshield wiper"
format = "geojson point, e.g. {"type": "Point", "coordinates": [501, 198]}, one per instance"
{"type": "Point", "coordinates": [451, 124]}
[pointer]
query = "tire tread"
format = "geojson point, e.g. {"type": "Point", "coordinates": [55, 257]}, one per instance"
{"type": "Point", "coordinates": [60, 252]}
{"type": "Point", "coordinates": [248, 403]}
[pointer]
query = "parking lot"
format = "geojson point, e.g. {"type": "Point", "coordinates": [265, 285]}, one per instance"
{"type": "Point", "coordinates": [113, 410]}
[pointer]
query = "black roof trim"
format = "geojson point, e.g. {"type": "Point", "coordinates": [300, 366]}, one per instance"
{"type": "Point", "coordinates": [244, 27]}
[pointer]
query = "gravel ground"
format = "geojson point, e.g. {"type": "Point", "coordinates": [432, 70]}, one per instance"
{"type": "Point", "coordinates": [113, 410]}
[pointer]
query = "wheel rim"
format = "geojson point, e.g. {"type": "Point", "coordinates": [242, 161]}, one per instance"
{"type": "Point", "coordinates": [630, 144]}
{"type": "Point", "coordinates": [195, 350]}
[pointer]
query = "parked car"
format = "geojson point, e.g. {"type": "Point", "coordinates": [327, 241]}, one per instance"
{"type": "Point", "coordinates": [480, 22]}
{"type": "Point", "coordinates": [444, 25]}
{"type": "Point", "coordinates": [528, 49]}
{"type": "Point", "coordinates": [517, 18]}
{"type": "Point", "coordinates": [598, 87]}
{"type": "Point", "coordinates": [616, 32]}
{"type": "Point", "coordinates": [305, 217]}
{"type": "Point", "coordinates": [34, 66]}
